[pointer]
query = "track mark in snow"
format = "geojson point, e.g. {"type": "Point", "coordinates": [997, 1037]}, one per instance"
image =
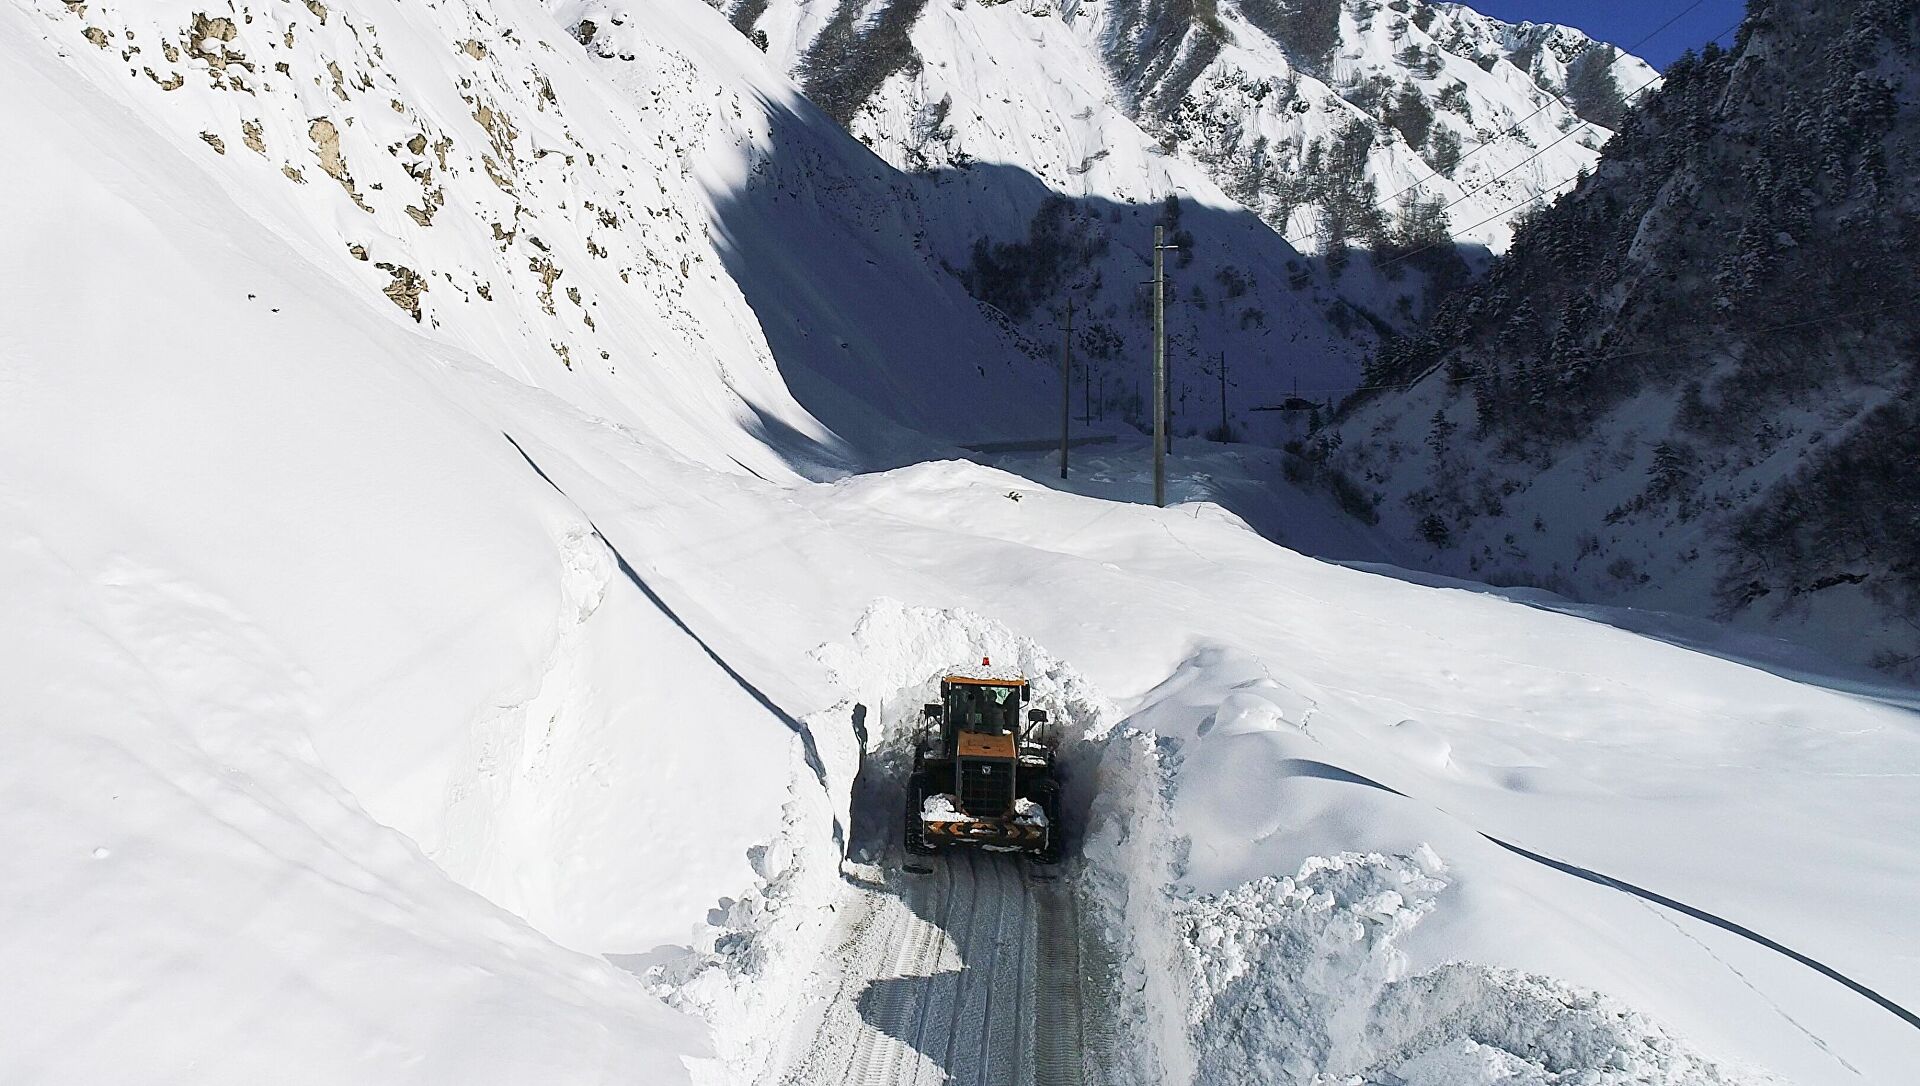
{"type": "Point", "coordinates": [967, 976]}
{"type": "Point", "coordinates": [1059, 1038]}
{"type": "Point", "coordinates": [1818, 1041]}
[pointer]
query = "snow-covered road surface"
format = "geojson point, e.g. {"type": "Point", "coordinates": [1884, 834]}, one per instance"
{"type": "Point", "coordinates": [968, 974]}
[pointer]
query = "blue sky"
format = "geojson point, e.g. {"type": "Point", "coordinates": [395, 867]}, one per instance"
{"type": "Point", "coordinates": [1624, 22]}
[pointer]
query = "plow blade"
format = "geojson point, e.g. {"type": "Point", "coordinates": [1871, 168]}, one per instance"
{"type": "Point", "coordinates": [987, 833]}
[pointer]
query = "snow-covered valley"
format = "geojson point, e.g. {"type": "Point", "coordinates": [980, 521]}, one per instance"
{"type": "Point", "coordinates": [470, 649]}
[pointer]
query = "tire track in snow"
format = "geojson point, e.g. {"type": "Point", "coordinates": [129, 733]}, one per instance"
{"type": "Point", "coordinates": [966, 1039]}
{"type": "Point", "coordinates": [966, 976]}
{"type": "Point", "coordinates": [1059, 1042]}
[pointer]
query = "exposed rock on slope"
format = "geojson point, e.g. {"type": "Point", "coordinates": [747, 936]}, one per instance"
{"type": "Point", "coordinates": [553, 224]}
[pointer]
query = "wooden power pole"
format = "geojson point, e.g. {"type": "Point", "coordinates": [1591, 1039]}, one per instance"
{"type": "Point", "coordinates": [1223, 395]}
{"type": "Point", "coordinates": [1159, 367]}
{"type": "Point", "coordinates": [1066, 386]}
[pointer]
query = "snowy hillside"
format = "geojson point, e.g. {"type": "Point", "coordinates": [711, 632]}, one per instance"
{"type": "Point", "coordinates": [1045, 135]}
{"type": "Point", "coordinates": [1014, 251]}
{"type": "Point", "coordinates": [1692, 387]}
{"type": "Point", "coordinates": [1128, 100]}
{"type": "Point", "coordinates": [502, 197]}
{"type": "Point", "coordinates": [399, 689]}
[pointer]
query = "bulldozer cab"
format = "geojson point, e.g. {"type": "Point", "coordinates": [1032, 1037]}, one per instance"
{"type": "Point", "coordinates": [975, 716]}
{"type": "Point", "coordinates": [991, 709]}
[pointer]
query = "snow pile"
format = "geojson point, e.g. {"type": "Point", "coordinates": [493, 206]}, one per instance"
{"type": "Point", "coordinates": [1300, 979]}
{"type": "Point", "coordinates": [1029, 813]}
{"type": "Point", "coordinates": [942, 808]}
{"type": "Point", "coordinates": [899, 652]}
{"type": "Point", "coordinates": [1129, 888]}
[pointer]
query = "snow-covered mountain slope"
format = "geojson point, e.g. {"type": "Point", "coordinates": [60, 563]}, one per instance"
{"type": "Point", "coordinates": [273, 591]}
{"type": "Point", "coordinates": [384, 698]}
{"type": "Point", "coordinates": [1691, 388]}
{"type": "Point", "coordinates": [543, 217]}
{"type": "Point", "coordinates": [1024, 251]}
{"type": "Point", "coordinates": [1126, 100]}
{"type": "Point", "coordinates": [291, 580]}
{"type": "Point", "coordinates": [1035, 135]}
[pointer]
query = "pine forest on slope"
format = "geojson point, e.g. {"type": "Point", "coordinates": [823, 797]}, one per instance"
{"type": "Point", "coordinates": [1692, 383]}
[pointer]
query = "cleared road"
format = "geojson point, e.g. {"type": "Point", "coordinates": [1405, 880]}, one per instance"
{"type": "Point", "coordinates": [968, 975]}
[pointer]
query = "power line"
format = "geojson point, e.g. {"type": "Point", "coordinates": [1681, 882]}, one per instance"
{"type": "Point", "coordinates": [1771, 330]}
{"type": "Point", "coordinates": [1555, 98]}
{"type": "Point", "coordinates": [1552, 100]}
{"type": "Point", "coordinates": [1564, 136]}
{"type": "Point", "coordinates": [1535, 198]}
{"type": "Point", "coordinates": [1490, 182]}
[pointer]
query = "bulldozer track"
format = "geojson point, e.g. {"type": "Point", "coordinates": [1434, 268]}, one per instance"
{"type": "Point", "coordinates": [967, 976]}
{"type": "Point", "coordinates": [1060, 1042]}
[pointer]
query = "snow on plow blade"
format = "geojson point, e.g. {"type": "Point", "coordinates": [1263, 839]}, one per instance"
{"type": "Point", "coordinates": [988, 833]}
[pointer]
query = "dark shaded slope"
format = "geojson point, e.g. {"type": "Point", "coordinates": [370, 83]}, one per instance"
{"type": "Point", "coordinates": [1726, 315]}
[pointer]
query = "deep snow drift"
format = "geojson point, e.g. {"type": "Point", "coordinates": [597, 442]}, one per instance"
{"type": "Point", "coordinates": [388, 699]}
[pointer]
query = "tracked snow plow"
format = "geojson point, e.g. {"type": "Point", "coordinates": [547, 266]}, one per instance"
{"type": "Point", "coordinates": [983, 770]}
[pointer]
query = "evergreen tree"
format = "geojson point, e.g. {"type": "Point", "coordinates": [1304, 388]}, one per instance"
{"type": "Point", "coordinates": [1349, 203]}
{"type": "Point", "coordinates": [1440, 433]}
{"type": "Point", "coordinates": [1592, 89]}
{"type": "Point", "coordinates": [1410, 116]}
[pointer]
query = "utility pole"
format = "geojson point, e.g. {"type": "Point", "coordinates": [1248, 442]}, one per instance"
{"type": "Point", "coordinates": [1223, 395]}
{"type": "Point", "coordinates": [1159, 367]}
{"type": "Point", "coordinates": [1066, 386]}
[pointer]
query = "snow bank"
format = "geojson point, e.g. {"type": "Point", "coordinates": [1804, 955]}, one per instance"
{"type": "Point", "coordinates": [900, 649]}
{"type": "Point", "coordinates": [1128, 886]}
{"type": "Point", "coordinates": [749, 963]}
{"type": "Point", "coordinates": [1300, 979]}
{"type": "Point", "coordinates": [1304, 978]}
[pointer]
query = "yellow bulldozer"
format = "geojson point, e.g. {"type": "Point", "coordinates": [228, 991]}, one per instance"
{"type": "Point", "coordinates": [983, 770]}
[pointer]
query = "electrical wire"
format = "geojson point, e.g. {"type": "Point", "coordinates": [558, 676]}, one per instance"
{"type": "Point", "coordinates": [1515, 127]}
{"type": "Point", "coordinates": [1564, 137]}
{"type": "Point", "coordinates": [1552, 99]}
{"type": "Point", "coordinates": [1542, 194]}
